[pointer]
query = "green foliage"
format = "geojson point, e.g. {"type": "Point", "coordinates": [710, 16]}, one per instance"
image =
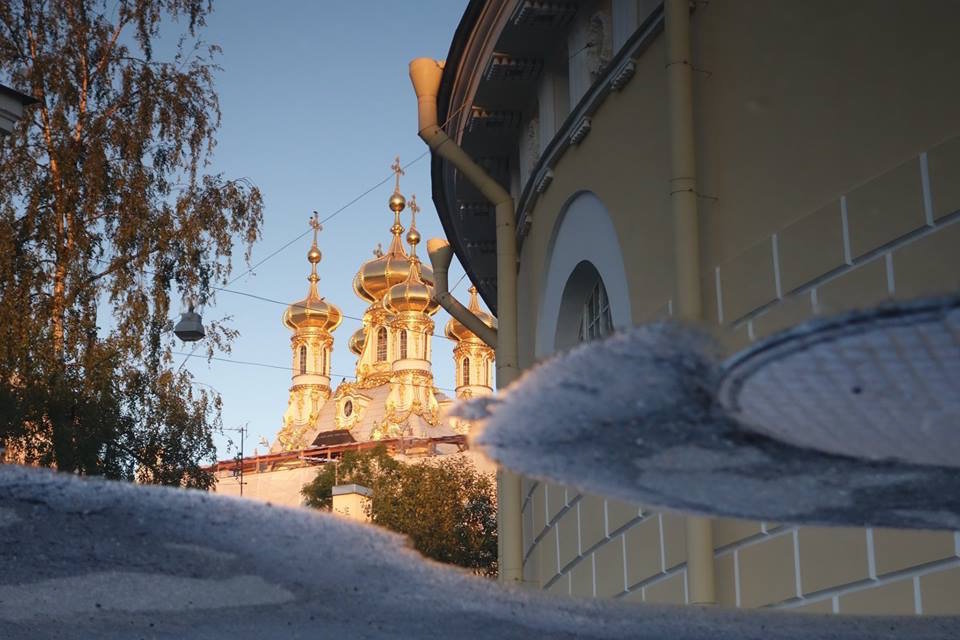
{"type": "Point", "coordinates": [367, 468]}
{"type": "Point", "coordinates": [104, 204]}
{"type": "Point", "coordinates": [444, 505]}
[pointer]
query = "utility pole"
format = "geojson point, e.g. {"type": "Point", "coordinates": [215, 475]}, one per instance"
{"type": "Point", "coordinates": [243, 434]}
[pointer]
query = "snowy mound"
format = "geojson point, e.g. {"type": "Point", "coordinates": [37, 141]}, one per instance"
{"type": "Point", "coordinates": [636, 417]}
{"type": "Point", "coordinates": [95, 559]}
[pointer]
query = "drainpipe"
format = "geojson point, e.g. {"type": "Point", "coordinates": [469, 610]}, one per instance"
{"type": "Point", "coordinates": [425, 73]}
{"type": "Point", "coordinates": [683, 204]}
{"type": "Point", "coordinates": [440, 255]}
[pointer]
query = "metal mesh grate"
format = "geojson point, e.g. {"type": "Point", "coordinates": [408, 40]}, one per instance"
{"type": "Point", "coordinates": [877, 384]}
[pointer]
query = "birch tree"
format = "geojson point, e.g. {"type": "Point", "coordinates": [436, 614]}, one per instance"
{"type": "Point", "coordinates": [108, 208]}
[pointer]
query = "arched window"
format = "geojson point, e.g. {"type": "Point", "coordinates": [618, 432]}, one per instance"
{"type": "Point", "coordinates": [382, 344]}
{"type": "Point", "coordinates": [403, 344]}
{"type": "Point", "coordinates": [303, 359]}
{"type": "Point", "coordinates": [465, 371]}
{"type": "Point", "coordinates": [323, 362]}
{"type": "Point", "coordinates": [595, 321]}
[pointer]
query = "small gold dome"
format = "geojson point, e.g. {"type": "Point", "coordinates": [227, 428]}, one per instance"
{"type": "Point", "coordinates": [413, 237]}
{"type": "Point", "coordinates": [397, 202]}
{"type": "Point", "coordinates": [312, 312]}
{"type": "Point", "coordinates": [376, 276]}
{"type": "Point", "coordinates": [456, 330]}
{"type": "Point", "coordinates": [357, 340]}
{"type": "Point", "coordinates": [413, 294]}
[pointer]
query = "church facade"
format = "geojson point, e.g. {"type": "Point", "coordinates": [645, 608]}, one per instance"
{"type": "Point", "coordinates": [392, 399]}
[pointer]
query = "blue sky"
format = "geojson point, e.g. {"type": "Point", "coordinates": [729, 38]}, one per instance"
{"type": "Point", "coordinates": [316, 104]}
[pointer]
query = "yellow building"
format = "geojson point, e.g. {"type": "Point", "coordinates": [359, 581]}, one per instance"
{"type": "Point", "coordinates": [392, 399]}
{"type": "Point", "coordinates": [744, 165]}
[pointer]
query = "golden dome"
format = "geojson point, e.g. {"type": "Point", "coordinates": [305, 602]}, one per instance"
{"type": "Point", "coordinates": [413, 294]}
{"type": "Point", "coordinates": [313, 311]}
{"type": "Point", "coordinates": [357, 340]}
{"type": "Point", "coordinates": [397, 202]}
{"type": "Point", "coordinates": [456, 330]}
{"type": "Point", "coordinates": [386, 270]}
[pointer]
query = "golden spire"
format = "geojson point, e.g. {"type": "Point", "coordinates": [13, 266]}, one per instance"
{"type": "Point", "coordinates": [393, 266]}
{"type": "Point", "coordinates": [313, 311]}
{"type": "Point", "coordinates": [397, 201]}
{"type": "Point", "coordinates": [413, 236]}
{"type": "Point", "coordinates": [314, 255]}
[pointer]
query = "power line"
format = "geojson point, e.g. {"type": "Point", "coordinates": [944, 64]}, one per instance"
{"type": "Point", "coordinates": [330, 217]}
{"type": "Point", "coordinates": [303, 306]}
{"type": "Point", "coordinates": [458, 282]}
{"type": "Point", "coordinates": [333, 374]}
{"type": "Point", "coordinates": [351, 203]}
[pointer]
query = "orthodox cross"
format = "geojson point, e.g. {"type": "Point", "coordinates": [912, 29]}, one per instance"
{"type": "Point", "coordinates": [414, 209]}
{"type": "Point", "coordinates": [397, 168]}
{"type": "Point", "coordinates": [315, 224]}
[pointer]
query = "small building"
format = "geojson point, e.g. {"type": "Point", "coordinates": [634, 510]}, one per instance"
{"type": "Point", "coordinates": [352, 501]}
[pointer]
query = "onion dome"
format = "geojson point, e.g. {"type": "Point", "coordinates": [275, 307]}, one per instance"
{"type": "Point", "coordinates": [456, 330]}
{"type": "Point", "coordinates": [313, 311]}
{"type": "Point", "coordinates": [357, 340]}
{"type": "Point", "coordinates": [413, 294]}
{"type": "Point", "coordinates": [385, 270]}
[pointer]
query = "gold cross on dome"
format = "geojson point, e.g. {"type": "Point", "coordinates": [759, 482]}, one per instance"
{"type": "Point", "coordinates": [397, 168]}
{"type": "Point", "coordinates": [315, 225]}
{"type": "Point", "coordinates": [414, 207]}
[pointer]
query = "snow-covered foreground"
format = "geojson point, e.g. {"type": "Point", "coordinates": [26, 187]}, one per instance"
{"type": "Point", "coordinates": [637, 417]}
{"type": "Point", "coordinates": [95, 559]}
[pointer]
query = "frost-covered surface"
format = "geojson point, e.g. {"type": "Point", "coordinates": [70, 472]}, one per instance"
{"type": "Point", "coordinates": [636, 417]}
{"type": "Point", "coordinates": [89, 559]}
{"type": "Point", "coordinates": [877, 384]}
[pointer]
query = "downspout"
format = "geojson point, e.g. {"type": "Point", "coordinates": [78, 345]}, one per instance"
{"type": "Point", "coordinates": [425, 73]}
{"type": "Point", "coordinates": [440, 255]}
{"type": "Point", "coordinates": [683, 204]}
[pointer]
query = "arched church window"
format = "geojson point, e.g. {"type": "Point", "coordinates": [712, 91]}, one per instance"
{"type": "Point", "coordinates": [323, 362]}
{"type": "Point", "coordinates": [303, 360]}
{"type": "Point", "coordinates": [595, 319]}
{"type": "Point", "coordinates": [465, 371]}
{"type": "Point", "coordinates": [382, 344]}
{"type": "Point", "coordinates": [403, 344]}
{"type": "Point", "coordinates": [348, 408]}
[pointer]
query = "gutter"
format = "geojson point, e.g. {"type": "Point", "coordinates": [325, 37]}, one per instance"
{"type": "Point", "coordinates": [686, 250]}
{"type": "Point", "coordinates": [426, 73]}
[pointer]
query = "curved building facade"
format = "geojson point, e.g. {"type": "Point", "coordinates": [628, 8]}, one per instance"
{"type": "Point", "coordinates": [825, 149]}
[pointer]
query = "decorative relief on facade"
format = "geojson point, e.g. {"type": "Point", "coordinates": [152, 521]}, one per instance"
{"type": "Point", "coordinates": [393, 394]}
{"type": "Point", "coordinates": [600, 37]}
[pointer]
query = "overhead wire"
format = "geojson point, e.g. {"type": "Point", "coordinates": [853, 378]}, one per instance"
{"type": "Point", "coordinates": [347, 205]}
{"type": "Point", "coordinates": [251, 363]}
{"type": "Point", "coordinates": [327, 218]}
{"type": "Point", "coordinates": [303, 306]}
{"type": "Point", "coordinates": [288, 244]}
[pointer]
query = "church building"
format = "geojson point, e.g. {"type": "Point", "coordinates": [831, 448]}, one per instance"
{"type": "Point", "coordinates": [392, 399]}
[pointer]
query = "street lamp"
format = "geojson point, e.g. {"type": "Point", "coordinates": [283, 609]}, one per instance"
{"type": "Point", "coordinates": [190, 326]}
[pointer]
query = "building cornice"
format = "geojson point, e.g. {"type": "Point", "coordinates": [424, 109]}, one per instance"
{"type": "Point", "coordinates": [576, 127]}
{"type": "Point", "coordinates": [467, 63]}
